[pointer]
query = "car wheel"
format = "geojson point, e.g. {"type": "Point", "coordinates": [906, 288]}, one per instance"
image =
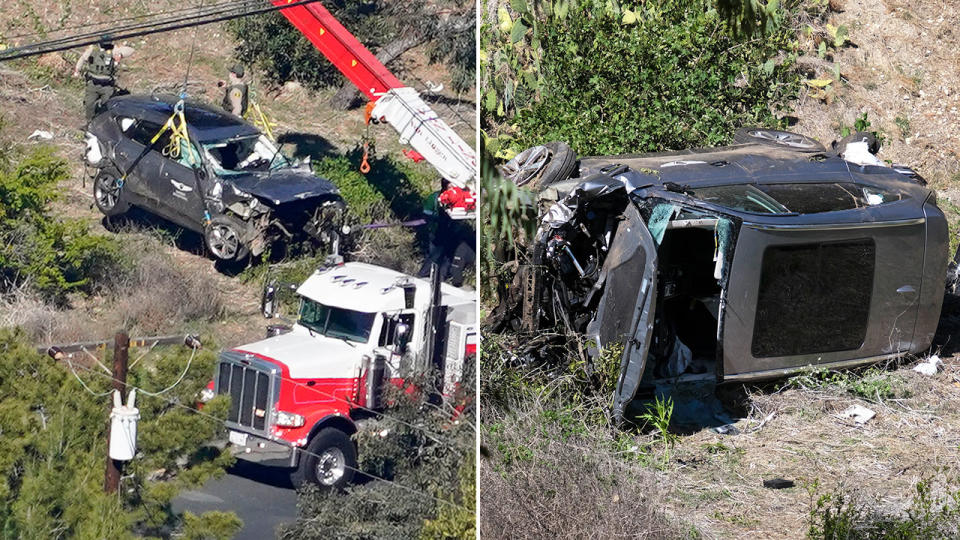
{"type": "Point", "coordinates": [539, 166]}
{"type": "Point", "coordinates": [224, 236]}
{"type": "Point", "coordinates": [329, 460]}
{"type": "Point", "coordinates": [108, 192]}
{"type": "Point", "coordinates": [776, 137]}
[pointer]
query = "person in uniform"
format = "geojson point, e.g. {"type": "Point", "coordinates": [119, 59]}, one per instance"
{"type": "Point", "coordinates": [451, 241]}
{"type": "Point", "coordinates": [98, 65]}
{"type": "Point", "coordinates": [235, 95]}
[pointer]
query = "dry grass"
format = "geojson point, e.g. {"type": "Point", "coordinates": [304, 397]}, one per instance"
{"type": "Point", "coordinates": [540, 481]}
{"type": "Point", "coordinates": [802, 438]}
{"type": "Point", "coordinates": [152, 294]}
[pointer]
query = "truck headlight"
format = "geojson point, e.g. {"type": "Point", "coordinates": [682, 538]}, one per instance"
{"type": "Point", "coordinates": [206, 395]}
{"type": "Point", "coordinates": [289, 419]}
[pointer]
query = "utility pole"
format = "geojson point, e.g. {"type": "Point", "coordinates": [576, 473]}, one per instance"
{"type": "Point", "coordinates": [121, 346]}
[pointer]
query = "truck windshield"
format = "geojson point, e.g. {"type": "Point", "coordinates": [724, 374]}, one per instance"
{"type": "Point", "coordinates": [336, 322]}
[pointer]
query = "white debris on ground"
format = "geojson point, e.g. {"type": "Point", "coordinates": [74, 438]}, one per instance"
{"type": "Point", "coordinates": [40, 134]}
{"type": "Point", "coordinates": [858, 413]}
{"type": "Point", "coordinates": [930, 366]}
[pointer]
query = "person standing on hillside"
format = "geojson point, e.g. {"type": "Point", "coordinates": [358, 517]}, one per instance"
{"type": "Point", "coordinates": [236, 93]}
{"type": "Point", "coordinates": [98, 65]}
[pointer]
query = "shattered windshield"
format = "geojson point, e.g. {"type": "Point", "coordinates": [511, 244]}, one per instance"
{"type": "Point", "coordinates": [336, 322]}
{"type": "Point", "coordinates": [245, 154]}
{"type": "Point", "coordinates": [795, 198]}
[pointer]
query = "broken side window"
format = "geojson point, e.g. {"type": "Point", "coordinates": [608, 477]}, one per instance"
{"type": "Point", "coordinates": [795, 198]}
{"type": "Point", "coordinates": [813, 298]}
{"type": "Point", "coordinates": [143, 132]}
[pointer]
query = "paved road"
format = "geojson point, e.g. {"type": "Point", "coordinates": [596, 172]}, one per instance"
{"type": "Point", "coordinates": [261, 496]}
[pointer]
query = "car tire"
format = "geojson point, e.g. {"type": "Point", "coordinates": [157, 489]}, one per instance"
{"type": "Point", "coordinates": [225, 237]}
{"type": "Point", "coordinates": [108, 192]}
{"type": "Point", "coordinates": [778, 138]}
{"type": "Point", "coordinates": [329, 461]}
{"type": "Point", "coordinates": [560, 163]}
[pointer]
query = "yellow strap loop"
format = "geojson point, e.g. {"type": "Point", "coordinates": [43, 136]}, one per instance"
{"type": "Point", "coordinates": [260, 119]}
{"type": "Point", "coordinates": [178, 132]}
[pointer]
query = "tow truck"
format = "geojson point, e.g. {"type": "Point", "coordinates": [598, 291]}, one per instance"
{"type": "Point", "coordinates": [298, 396]}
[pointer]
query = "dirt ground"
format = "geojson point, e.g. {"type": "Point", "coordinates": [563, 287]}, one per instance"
{"type": "Point", "coordinates": [39, 94]}
{"type": "Point", "coordinates": [901, 68]}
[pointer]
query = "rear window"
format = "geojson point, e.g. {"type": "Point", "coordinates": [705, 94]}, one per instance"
{"type": "Point", "coordinates": [795, 198]}
{"type": "Point", "coordinates": [814, 298]}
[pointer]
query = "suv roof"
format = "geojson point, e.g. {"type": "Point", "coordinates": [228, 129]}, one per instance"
{"type": "Point", "coordinates": [207, 122]}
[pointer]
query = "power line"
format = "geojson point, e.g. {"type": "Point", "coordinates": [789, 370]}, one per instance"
{"type": "Point", "coordinates": [432, 435]}
{"type": "Point", "coordinates": [105, 23]}
{"type": "Point", "coordinates": [219, 422]}
{"type": "Point", "coordinates": [107, 33]}
{"type": "Point", "coordinates": [190, 22]}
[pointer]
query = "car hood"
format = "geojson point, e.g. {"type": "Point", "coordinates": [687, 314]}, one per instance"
{"type": "Point", "coordinates": [284, 185]}
{"type": "Point", "coordinates": [310, 357]}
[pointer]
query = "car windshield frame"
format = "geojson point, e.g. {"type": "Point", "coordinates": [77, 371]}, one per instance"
{"type": "Point", "coordinates": [796, 198]}
{"type": "Point", "coordinates": [276, 158]}
{"type": "Point", "coordinates": [336, 322]}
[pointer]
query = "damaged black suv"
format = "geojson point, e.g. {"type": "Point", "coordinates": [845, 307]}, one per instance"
{"type": "Point", "coordinates": [229, 182]}
{"type": "Point", "coordinates": [730, 264]}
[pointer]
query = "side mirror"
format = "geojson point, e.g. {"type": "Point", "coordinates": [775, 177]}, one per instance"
{"type": "Point", "coordinates": [402, 337]}
{"type": "Point", "coordinates": [268, 302]}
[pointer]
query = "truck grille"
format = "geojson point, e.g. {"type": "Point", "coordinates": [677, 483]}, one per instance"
{"type": "Point", "coordinates": [253, 387]}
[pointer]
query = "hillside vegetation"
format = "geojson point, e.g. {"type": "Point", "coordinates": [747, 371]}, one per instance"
{"type": "Point", "coordinates": [611, 77]}
{"type": "Point", "coordinates": [67, 275]}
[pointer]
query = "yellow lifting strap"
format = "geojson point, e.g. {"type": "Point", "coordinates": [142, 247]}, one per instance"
{"type": "Point", "coordinates": [177, 125]}
{"type": "Point", "coordinates": [256, 115]}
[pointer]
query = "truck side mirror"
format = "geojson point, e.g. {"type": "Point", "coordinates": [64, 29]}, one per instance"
{"type": "Point", "coordinates": [402, 337]}
{"type": "Point", "coordinates": [268, 302]}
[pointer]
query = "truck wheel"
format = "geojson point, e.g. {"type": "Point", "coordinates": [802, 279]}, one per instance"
{"type": "Point", "coordinates": [224, 236]}
{"type": "Point", "coordinates": [776, 137]}
{"type": "Point", "coordinates": [108, 192]}
{"type": "Point", "coordinates": [329, 461]}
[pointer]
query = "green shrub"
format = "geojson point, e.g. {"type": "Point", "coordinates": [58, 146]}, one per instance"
{"type": "Point", "coordinates": [53, 444]}
{"type": "Point", "coordinates": [54, 256]}
{"type": "Point", "coordinates": [390, 185]}
{"type": "Point", "coordinates": [668, 75]}
{"type": "Point", "coordinates": [415, 454]}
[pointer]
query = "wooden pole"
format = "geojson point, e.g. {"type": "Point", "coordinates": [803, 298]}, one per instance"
{"type": "Point", "coordinates": [121, 346]}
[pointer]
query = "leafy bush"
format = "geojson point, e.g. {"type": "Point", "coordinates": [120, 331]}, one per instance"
{"type": "Point", "coordinates": [609, 80]}
{"type": "Point", "coordinates": [284, 54]}
{"type": "Point", "coordinates": [410, 468]}
{"type": "Point", "coordinates": [391, 184]}
{"type": "Point", "coordinates": [51, 255]}
{"type": "Point", "coordinates": [52, 449]}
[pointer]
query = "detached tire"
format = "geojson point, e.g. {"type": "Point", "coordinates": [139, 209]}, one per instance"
{"type": "Point", "coordinates": [539, 166]}
{"type": "Point", "coordinates": [329, 460]}
{"type": "Point", "coordinates": [108, 192]}
{"type": "Point", "coordinates": [225, 238]}
{"type": "Point", "coordinates": [778, 138]}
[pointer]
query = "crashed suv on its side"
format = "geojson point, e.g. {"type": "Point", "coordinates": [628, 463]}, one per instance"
{"type": "Point", "coordinates": [230, 183]}
{"type": "Point", "coordinates": [743, 262]}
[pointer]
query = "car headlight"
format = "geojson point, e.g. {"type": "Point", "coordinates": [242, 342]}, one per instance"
{"type": "Point", "coordinates": [206, 395]}
{"type": "Point", "coordinates": [289, 419]}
